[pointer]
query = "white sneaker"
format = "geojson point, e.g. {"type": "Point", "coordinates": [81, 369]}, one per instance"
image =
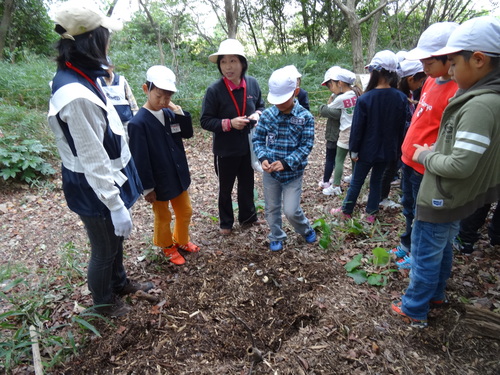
{"type": "Point", "coordinates": [324, 185]}
{"type": "Point", "coordinates": [332, 190]}
{"type": "Point", "coordinates": [387, 203]}
{"type": "Point", "coordinates": [348, 179]}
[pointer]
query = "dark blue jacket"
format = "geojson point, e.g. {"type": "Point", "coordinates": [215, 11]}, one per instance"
{"type": "Point", "coordinates": [378, 125]}
{"type": "Point", "coordinates": [158, 151]}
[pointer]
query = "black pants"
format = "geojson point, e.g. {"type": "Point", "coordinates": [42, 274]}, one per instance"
{"type": "Point", "coordinates": [389, 173]}
{"type": "Point", "coordinates": [469, 227]}
{"type": "Point", "coordinates": [228, 169]}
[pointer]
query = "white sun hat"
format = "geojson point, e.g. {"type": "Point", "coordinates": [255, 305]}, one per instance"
{"type": "Point", "coordinates": [162, 77]}
{"type": "Point", "coordinates": [282, 85]}
{"type": "Point", "coordinates": [228, 47]}
{"type": "Point", "coordinates": [77, 17]}
{"type": "Point", "coordinates": [330, 73]}
{"type": "Point", "coordinates": [432, 39]}
{"type": "Point", "coordinates": [477, 34]}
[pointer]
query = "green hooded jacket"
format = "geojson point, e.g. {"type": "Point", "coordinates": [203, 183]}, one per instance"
{"type": "Point", "coordinates": [463, 172]}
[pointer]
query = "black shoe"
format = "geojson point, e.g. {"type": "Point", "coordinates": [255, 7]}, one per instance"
{"type": "Point", "coordinates": [133, 286]}
{"type": "Point", "coordinates": [116, 309]}
{"type": "Point", "coordinates": [465, 248]}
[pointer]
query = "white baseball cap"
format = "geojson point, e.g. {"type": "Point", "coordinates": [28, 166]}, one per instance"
{"type": "Point", "coordinates": [162, 77]}
{"type": "Point", "coordinates": [293, 70]}
{"type": "Point", "coordinates": [344, 75]}
{"type": "Point", "coordinates": [228, 47]}
{"type": "Point", "coordinates": [477, 34]}
{"type": "Point", "coordinates": [77, 17]}
{"type": "Point", "coordinates": [282, 85]}
{"type": "Point", "coordinates": [384, 60]}
{"type": "Point", "coordinates": [401, 55]}
{"type": "Point", "coordinates": [330, 73]}
{"type": "Point", "coordinates": [432, 39]}
{"type": "Point", "coordinates": [408, 68]}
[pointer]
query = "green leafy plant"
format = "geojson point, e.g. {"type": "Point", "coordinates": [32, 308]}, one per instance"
{"type": "Point", "coordinates": [260, 204]}
{"type": "Point", "coordinates": [372, 270]}
{"type": "Point", "coordinates": [23, 159]}
{"type": "Point", "coordinates": [326, 233]}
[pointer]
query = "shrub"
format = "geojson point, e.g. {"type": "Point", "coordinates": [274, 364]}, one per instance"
{"type": "Point", "coordinates": [22, 159]}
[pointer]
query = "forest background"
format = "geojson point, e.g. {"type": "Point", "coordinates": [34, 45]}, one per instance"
{"type": "Point", "coordinates": [311, 34]}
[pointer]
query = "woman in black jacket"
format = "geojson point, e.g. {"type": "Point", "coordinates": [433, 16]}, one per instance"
{"type": "Point", "coordinates": [231, 107]}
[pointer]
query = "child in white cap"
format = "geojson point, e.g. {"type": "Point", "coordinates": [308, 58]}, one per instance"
{"type": "Point", "coordinates": [156, 134]}
{"type": "Point", "coordinates": [332, 129]}
{"type": "Point", "coordinates": [462, 169]}
{"type": "Point", "coordinates": [282, 142]}
{"type": "Point", "coordinates": [100, 181]}
{"type": "Point", "coordinates": [302, 95]}
{"type": "Point", "coordinates": [346, 93]}
{"type": "Point", "coordinates": [376, 133]}
{"type": "Point", "coordinates": [436, 92]}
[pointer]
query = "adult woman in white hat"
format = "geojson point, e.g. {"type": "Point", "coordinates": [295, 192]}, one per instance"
{"type": "Point", "coordinates": [100, 181]}
{"type": "Point", "coordinates": [231, 107]}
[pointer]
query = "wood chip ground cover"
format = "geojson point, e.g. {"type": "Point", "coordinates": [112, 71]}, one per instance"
{"type": "Point", "coordinates": [297, 307]}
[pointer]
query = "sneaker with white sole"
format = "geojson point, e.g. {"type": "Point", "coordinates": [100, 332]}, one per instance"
{"type": "Point", "coordinates": [332, 190]}
{"type": "Point", "coordinates": [388, 204]}
{"type": "Point", "coordinates": [324, 185]}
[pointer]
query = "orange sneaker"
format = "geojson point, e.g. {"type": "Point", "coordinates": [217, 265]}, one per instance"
{"type": "Point", "coordinates": [173, 255]}
{"type": "Point", "coordinates": [189, 247]}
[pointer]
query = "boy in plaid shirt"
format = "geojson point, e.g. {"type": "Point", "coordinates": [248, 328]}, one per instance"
{"type": "Point", "coordinates": [282, 142]}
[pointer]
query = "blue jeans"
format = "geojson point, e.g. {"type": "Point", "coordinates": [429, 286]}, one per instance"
{"type": "Point", "coordinates": [276, 194]}
{"type": "Point", "coordinates": [431, 261]}
{"type": "Point", "coordinates": [106, 274]}
{"type": "Point", "coordinates": [361, 170]}
{"type": "Point", "coordinates": [410, 184]}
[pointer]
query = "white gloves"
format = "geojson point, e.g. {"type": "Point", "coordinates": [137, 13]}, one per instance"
{"type": "Point", "coordinates": [122, 222]}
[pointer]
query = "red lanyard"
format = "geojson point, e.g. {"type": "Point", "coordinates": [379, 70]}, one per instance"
{"type": "Point", "coordinates": [72, 67]}
{"type": "Point", "coordinates": [242, 113]}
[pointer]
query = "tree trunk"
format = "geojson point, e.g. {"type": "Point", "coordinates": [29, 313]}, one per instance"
{"type": "Point", "coordinates": [250, 25]}
{"type": "Point", "coordinates": [8, 10]}
{"type": "Point", "coordinates": [231, 17]}
{"type": "Point", "coordinates": [354, 24]}
{"type": "Point", "coordinates": [307, 28]}
{"type": "Point", "coordinates": [372, 41]}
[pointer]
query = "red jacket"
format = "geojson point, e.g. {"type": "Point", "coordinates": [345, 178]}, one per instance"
{"type": "Point", "coordinates": [427, 117]}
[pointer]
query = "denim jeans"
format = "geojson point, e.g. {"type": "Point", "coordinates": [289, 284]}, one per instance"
{"type": "Point", "coordinates": [361, 170]}
{"type": "Point", "coordinates": [431, 261]}
{"type": "Point", "coordinates": [410, 184]}
{"type": "Point", "coordinates": [106, 274]}
{"type": "Point", "coordinates": [277, 194]}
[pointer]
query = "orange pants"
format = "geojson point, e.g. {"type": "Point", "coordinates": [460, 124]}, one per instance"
{"type": "Point", "coordinates": [181, 205]}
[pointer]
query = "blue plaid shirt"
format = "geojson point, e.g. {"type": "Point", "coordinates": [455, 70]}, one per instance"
{"type": "Point", "coordinates": [285, 137]}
